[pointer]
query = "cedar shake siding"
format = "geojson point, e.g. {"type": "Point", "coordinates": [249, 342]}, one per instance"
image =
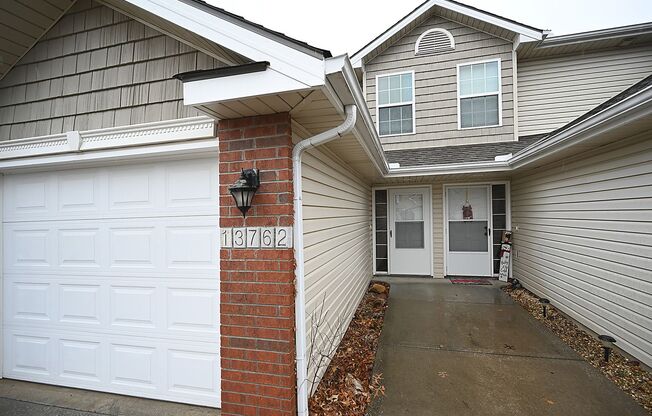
{"type": "Point", "coordinates": [436, 86]}
{"type": "Point", "coordinates": [96, 68]}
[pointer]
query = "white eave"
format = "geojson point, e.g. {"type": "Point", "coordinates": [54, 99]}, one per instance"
{"type": "Point", "coordinates": [525, 32]}
{"type": "Point", "coordinates": [292, 62]}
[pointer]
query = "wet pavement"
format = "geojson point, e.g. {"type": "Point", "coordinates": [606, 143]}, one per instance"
{"type": "Point", "coordinates": [470, 350]}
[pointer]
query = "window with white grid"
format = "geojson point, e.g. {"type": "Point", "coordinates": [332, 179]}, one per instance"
{"type": "Point", "coordinates": [395, 95]}
{"type": "Point", "coordinates": [479, 94]}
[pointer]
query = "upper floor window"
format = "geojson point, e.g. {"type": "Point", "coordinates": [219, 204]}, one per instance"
{"type": "Point", "coordinates": [434, 41]}
{"type": "Point", "coordinates": [479, 95]}
{"type": "Point", "coordinates": [395, 94]}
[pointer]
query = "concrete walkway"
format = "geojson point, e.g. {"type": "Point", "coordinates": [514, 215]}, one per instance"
{"type": "Point", "coordinates": [470, 350]}
{"type": "Point", "coordinates": [18, 398]}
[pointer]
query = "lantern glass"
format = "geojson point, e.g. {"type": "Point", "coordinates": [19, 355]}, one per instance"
{"type": "Point", "coordinates": [244, 189]}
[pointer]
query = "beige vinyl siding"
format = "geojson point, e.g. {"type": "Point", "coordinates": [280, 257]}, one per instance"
{"type": "Point", "coordinates": [555, 91]}
{"type": "Point", "coordinates": [337, 244]}
{"type": "Point", "coordinates": [96, 68]}
{"type": "Point", "coordinates": [584, 240]}
{"type": "Point", "coordinates": [436, 86]}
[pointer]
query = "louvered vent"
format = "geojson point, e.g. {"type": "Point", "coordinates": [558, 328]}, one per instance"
{"type": "Point", "coordinates": [434, 41]}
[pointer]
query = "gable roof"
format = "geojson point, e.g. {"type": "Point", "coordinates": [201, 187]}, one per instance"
{"type": "Point", "coordinates": [323, 53]}
{"type": "Point", "coordinates": [453, 10]}
{"type": "Point", "coordinates": [622, 36]}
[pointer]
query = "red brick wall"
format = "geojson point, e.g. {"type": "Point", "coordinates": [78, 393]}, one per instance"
{"type": "Point", "coordinates": [257, 285]}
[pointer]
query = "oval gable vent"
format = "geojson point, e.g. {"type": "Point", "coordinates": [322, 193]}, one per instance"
{"type": "Point", "coordinates": [434, 41]}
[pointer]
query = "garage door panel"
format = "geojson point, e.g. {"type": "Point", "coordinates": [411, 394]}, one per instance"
{"type": "Point", "coordinates": [111, 279]}
{"type": "Point", "coordinates": [153, 246]}
{"type": "Point", "coordinates": [179, 371]}
{"type": "Point", "coordinates": [153, 307]}
{"type": "Point", "coordinates": [147, 190]}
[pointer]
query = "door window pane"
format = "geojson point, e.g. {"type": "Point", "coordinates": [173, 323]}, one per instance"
{"type": "Point", "coordinates": [459, 200]}
{"type": "Point", "coordinates": [409, 207]}
{"type": "Point", "coordinates": [380, 202]}
{"type": "Point", "coordinates": [468, 236]}
{"type": "Point", "coordinates": [409, 234]}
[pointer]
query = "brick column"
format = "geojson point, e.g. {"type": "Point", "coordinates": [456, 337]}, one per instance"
{"type": "Point", "coordinates": [257, 285]}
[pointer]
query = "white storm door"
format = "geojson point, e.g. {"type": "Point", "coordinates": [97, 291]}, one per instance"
{"type": "Point", "coordinates": [410, 250]}
{"type": "Point", "coordinates": [468, 231]}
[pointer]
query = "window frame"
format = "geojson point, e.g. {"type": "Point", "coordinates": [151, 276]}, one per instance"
{"type": "Point", "coordinates": [412, 103]}
{"type": "Point", "coordinates": [499, 94]}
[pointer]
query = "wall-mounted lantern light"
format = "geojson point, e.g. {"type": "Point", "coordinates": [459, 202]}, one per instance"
{"type": "Point", "coordinates": [544, 304]}
{"type": "Point", "coordinates": [244, 189]}
{"type": "Point", "coordinates": [607, 345]}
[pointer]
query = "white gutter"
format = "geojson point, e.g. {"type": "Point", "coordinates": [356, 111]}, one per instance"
{"type": "Point", "coordinates": [300, 307]}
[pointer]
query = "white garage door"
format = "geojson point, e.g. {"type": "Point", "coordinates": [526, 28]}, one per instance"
{"type": "Point", "coordinates": [111, 279]}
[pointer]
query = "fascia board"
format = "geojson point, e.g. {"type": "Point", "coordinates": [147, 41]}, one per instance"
{"type": "Point", "coordinates": [449, 169]}
{"type": "Point", "coordinates": [240, 86]}
{"type": "Point", "coordinates": [289, 61]}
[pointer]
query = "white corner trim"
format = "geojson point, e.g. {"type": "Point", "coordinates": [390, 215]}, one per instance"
{"type": "Point", "coordinates": [128, 136]}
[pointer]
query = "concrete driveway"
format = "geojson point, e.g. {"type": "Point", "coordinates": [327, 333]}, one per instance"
{"type": "Point", "coordinates": [470, 350]}
{"type": "Point", "coordinates": [18, 398]}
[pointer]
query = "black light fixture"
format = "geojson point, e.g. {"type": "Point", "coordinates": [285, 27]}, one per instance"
{"type": "Point", "coordinates": [244, 189]}
{"type": "Point", "coordinates": [607, 345]}
{"type": "Point", "coordinates": [544, 303]}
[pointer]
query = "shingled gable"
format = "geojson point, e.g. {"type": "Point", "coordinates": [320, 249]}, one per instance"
{"type": "Point", "coordinates": [469, 15]}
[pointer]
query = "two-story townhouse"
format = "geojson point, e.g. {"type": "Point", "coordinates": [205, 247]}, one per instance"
{"type": "Point", "coordinates": [128, 268]}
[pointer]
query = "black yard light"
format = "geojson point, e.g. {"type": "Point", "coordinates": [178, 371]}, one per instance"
{"type": "Point", "coordinates": [244, 189]}
{"type": "Point", "coordinates": [607, 345]}
{"type": "Point", "coordinates": [544, 304]}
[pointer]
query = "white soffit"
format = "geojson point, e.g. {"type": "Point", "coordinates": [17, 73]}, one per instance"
{"type": "Point", "coordinates": [289, 61]}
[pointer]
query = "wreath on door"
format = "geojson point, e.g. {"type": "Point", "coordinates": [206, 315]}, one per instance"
{"type": "Point", "coordinates": [467, 209]}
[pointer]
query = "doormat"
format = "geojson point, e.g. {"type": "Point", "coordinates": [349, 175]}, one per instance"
{"type": "Point", "coordinates": [466, 281]}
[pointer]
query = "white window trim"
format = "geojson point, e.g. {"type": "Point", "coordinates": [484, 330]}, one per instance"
{"type": "Point", "coordinates": [424, 34]}
{"type": "Point", "coordinates": [413, 103]}
{"type": "Point", "coordinates": [500, 95]}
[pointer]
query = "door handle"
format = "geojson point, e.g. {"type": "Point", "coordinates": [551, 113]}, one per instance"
{"type": "Point", "coordinates": [390, 233]}
{"type": "Point", "coordinates": [487, 231]}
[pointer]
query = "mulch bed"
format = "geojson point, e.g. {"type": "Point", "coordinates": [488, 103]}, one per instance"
{"type": "Point", "coordinates": [348, 385]}
{"type": "Point", "coordinates": [625, 373]}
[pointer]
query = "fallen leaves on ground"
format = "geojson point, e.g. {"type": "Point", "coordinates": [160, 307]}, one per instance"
{"type": "Point", "coordinates": [348, 385]}
{"type": "Point", "coordinates": [625, 373]}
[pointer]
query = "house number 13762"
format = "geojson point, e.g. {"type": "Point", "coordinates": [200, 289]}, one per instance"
{"type": "Point", "coordinates": [256, 237]}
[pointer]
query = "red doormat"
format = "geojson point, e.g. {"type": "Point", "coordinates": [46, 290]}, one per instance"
{"type": "Point", "coordinates": [468, 281]}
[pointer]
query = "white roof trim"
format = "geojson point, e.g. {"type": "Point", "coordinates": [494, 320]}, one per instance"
{"type": "Point", "coordinates": [528, 32]}
{"type": "Point", "coordinates": [115, 137]}
{"type": "Point", "coordinates": [239, 86]}
{"type": "Point", "coordinates": [293, 63]}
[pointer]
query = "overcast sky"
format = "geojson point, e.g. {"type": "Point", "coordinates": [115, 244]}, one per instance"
{"type": "Point", "coordinates": [347, 25]}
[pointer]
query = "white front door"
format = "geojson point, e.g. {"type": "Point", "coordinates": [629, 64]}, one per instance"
{"type": "Point", "coordinates": [468, 231]}
{"type": "Point", "coordinates": [111, 279]}
{"type": "Point", "coordinates": [410, 247]}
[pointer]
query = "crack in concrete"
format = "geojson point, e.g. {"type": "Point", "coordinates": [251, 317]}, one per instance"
{"type": "Point", "coordinates": [481, 352]}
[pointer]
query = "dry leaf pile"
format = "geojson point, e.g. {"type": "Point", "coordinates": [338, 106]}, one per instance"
{"type": "Point", "coordinates": [625, 373]}
{"type": "Point", "coordinates": [348, 384]}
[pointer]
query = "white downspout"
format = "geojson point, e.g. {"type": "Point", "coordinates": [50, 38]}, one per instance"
{"type": "Point", "coordinates": [300, 298]}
